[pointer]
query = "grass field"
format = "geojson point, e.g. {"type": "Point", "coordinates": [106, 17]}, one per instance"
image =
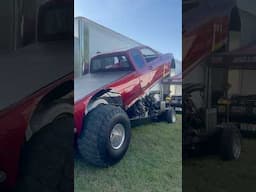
{"type": "Point", "coordinates": [152, 164]}
{"type": "Point", "coordinates": [211, 174]}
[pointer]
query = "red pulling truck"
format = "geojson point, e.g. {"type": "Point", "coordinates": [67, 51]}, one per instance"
{"type": "Point", "coordinates": [37, 84]}
{"type": "Point", "coordinates": [119, 88]}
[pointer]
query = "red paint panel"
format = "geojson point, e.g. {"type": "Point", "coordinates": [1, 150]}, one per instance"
{"type": "Point", "coordinates": [131, 87]}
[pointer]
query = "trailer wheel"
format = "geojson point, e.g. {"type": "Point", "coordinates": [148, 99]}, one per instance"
{"type": "Point", "coordinates": [170, 115]}
{"type": "Point", "coordinates": [230, 147]}
{"type": "Point", "coordinates": [105, 137]}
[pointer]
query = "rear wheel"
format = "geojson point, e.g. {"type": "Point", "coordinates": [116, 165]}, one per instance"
{"type": "Point", "coordinates": [105, 137]}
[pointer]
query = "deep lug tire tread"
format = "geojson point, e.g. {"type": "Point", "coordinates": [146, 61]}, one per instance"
{"type": "Point", "coordinates": [93, 140]}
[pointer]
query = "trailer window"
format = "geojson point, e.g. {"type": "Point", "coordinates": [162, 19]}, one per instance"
{"type": "Point", "coordinates": [110, 63]}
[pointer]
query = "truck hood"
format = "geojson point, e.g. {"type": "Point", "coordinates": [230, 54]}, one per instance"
{"type": "Point", "coordinates": [31, 68]}
{"type": "Point", "coordinates": [89, 83]}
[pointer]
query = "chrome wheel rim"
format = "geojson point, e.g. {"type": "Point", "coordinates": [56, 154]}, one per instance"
{"type": "Point", "coordinates": [117, 136]}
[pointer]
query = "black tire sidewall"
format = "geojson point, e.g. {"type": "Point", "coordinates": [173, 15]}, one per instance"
{"type": "Point", "coordinates": [46, 160]}
{"type": "Point", "coordinates": [94, 140]}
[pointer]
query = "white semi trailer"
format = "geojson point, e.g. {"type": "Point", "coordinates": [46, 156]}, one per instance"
{"type": "Point", "coordinates": [92, 38]}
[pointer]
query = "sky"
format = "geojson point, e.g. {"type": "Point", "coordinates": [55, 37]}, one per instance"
{"type": "Point", "coordinates": [155, 23]}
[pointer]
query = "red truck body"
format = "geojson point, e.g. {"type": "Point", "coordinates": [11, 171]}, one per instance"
{"type": "Point", "coordinates": [31, 72]}
{"type": "Point", "coordinates": [14, 121]}
{"type": "Point", "coordinates": [130, 86]}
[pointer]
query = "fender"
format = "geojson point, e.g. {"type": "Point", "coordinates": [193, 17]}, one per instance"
{"type": "Point", "coordinates": [86, 105]}
{"type": "Point", "coordinates": [93, 104]}
{"type": "Point", "coordinates": [104, 96]}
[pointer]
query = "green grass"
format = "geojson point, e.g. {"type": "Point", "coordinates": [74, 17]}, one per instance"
{"type": "Point", "coordinates": [211, 174]}
{"type": "Point", "coordinates": [152, 164]}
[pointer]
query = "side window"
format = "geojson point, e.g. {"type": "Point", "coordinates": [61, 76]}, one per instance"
{"type": "Point", "coordinates": [148, 54]}
{"type": "Point", "coordinates": [123, 61]}
{"type": "Point", "coordinates": [106, 63]}
{"type": "Point", "coordinates": [139, 62]}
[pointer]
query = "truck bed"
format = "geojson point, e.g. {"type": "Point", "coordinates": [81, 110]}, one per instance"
{"type": "Point", "coordinates": [90, 82]}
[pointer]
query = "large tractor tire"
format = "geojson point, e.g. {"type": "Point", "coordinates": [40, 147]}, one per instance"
{"type": "Point", "coordinates": [105, 136]}
{"type": "Point", "coordinates": [230, 143]}
{"type": "Point", "coordinates": [47, 159]}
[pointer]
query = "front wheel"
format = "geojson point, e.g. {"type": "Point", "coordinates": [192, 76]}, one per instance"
{"type": "Point", "coordinates": [105, 137]}
{"type": "Point", "coordinates": [47, 159]}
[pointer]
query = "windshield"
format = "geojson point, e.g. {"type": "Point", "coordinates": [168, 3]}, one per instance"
{"type": "Point", "coordinates": [110, 63]}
